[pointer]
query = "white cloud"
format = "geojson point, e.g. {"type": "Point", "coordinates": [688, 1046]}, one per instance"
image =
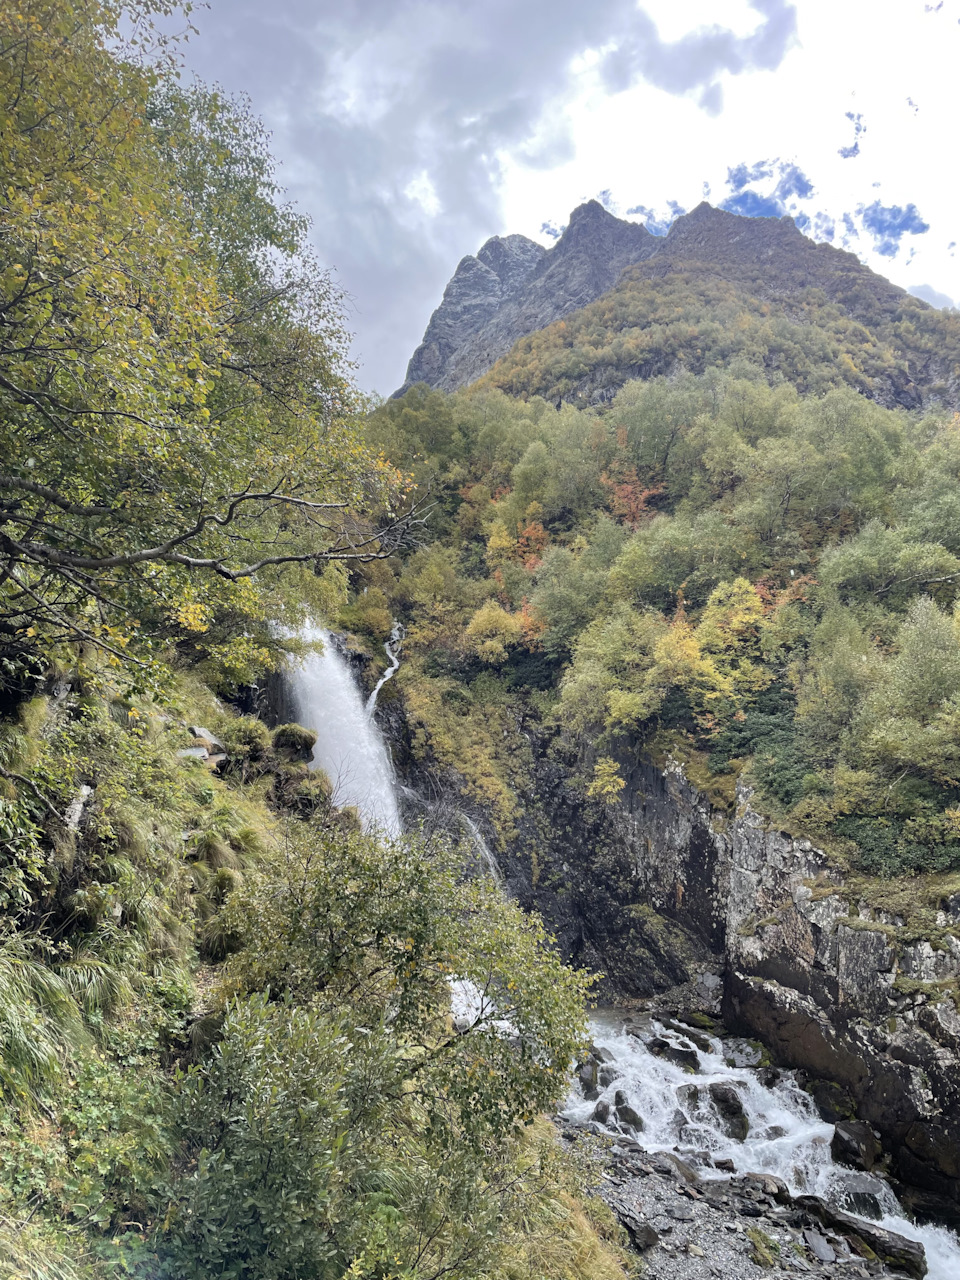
{"type": "Point", "coordinates": [414, 129]}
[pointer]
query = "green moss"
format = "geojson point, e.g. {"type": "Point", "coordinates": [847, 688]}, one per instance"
{"type": "Point", "coordinates": [766, 1251]}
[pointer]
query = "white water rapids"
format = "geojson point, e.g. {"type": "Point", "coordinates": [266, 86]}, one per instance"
{"type": "Point", "coordinates": [786, 1137]}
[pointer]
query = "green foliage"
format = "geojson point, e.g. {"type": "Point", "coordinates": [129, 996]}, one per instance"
{"type": "Point", "coordinates": [607, 782]}
{"type": "Point", "coordinates": [346, 1118]}
{"type": "Point", "coordinates": [294, 739]}
{"type": "Point", "coordinates": [699, 318]}
{"type": "Point", "coordinates": [386, 928]}
{"type": "Point", "coordinates": [766, 575]}
{"type": "Point", "coordinates": [264, 1126]}
{"type": "Point", "coordinates": [39, 1022]}
{"type": "Point", "coordinates": [210, 424]}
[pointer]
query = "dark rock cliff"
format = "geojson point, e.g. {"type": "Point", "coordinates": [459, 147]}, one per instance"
{"type": "Point", "coordinates": [514, 287]}
{"type": "Point", "coordinates": [828, 984]}
{"type": "Point", "coordinates": [662, 889]}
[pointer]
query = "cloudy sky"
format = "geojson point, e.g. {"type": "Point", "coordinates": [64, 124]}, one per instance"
{"type": "Point", "coordinates": [411, 130]}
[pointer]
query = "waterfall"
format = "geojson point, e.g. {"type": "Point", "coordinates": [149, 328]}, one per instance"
{"type": "Point", "coordinates": [786, 1136]}
{"type": "Point", "coordinates": [392, 650]}
{"type": "Point", "coordinates": [484, 853]}
{"type": "Point", "coordinates": [349, 747]}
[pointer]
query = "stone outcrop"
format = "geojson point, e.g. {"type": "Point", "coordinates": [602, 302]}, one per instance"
{"type": "Point", "coordinates": [827, 984]}
{"type": "Point", "coordinates": [514, 286]}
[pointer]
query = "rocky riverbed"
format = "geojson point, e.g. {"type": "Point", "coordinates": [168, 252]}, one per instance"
{"type": "Point", "coordinates": [717, 1164]}
{"type": "Point", "coordinates": [691, 1229]}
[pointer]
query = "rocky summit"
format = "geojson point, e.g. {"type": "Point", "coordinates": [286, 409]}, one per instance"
{"type": "Point", "coordinates": [635, 305]}
{"type": "Point", "coordinates": [514, 286]}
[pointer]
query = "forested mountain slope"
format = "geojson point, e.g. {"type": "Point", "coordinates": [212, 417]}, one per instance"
{"type": "Point", "coordinates": [720, 286]}
{"type": "Point", "coordinates": [712, 561]}
{"type": "Point", "coordinates": [717, 286]}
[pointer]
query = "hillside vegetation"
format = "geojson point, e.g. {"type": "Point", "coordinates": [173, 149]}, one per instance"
{"type": "Point", "coordinates": [759, 580]}
{"type": "Point", "coordinates": [227, 1046]}
{"type": "Point", "coordinates": [723, 288]}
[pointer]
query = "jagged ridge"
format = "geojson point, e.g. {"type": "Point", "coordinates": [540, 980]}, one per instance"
{"type": "Point", "coordinates": [875, 336]}
{"type": "Point", "coordinates": [514, 286]}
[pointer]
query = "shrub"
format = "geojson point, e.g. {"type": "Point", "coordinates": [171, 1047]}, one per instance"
{"type": "Point", "coordinates": [294, 739]}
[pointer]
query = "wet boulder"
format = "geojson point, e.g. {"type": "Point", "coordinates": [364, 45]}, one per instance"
{"type": "Point", "coordinates": [588, 1076]}
{"type": "Point", "coordinates": [607, 1074]}
{"type": "Point", "coordinates": [698, 1038]}
{"type": "Point", "coordinates": [660, 1047]}
{"type": "Point", "coordinates": [688, 1095]}
{"type": "Point", "coordinates": [601, 1112]}
{"type": "Point", "coordinates": [729, 1108]}
{"type": "Point", "coordinates": [869, 1239]}
{"type": "Point", "coordinates": [678, 1122]}
{"type": "Point", "coordinates": [626, 1114]}
{"type": "Point", "coordinates": [854, 1143]}
{"type": "Point", "coordinates": [864, 1204]}
{"type": "Point", "coordinates": [833, 1101]}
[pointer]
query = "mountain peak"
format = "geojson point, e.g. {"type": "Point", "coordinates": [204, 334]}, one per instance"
{"type": "Point", "coordinates": [514, 286]}
{"type": "Point", "coordinates": [589, 211]}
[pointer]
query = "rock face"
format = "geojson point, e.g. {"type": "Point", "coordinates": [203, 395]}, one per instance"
{"type": "Point", "coordinates": [514, 286]}
{"type": "Point", "coordinates": [663, 889]}
{"type": "Point", "coordinates": [824, 982]}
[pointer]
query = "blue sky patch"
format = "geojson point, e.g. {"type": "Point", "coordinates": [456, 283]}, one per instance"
{"type": "Point", "coordinates": [655, 224]}
{"type": "Point", "coordinates": [766, 189]}
{"type": "Point", "coordinates": [888, 224]}
{"type": "Point", "coordinates": [742, 175]}
{"type": "Point", "coordinates": [752, 205]}
{"type": "Point", "coordinates": [859, 128]}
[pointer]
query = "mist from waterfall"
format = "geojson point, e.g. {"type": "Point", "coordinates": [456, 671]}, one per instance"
{"type": "Point", "coordinates": [349, 747]}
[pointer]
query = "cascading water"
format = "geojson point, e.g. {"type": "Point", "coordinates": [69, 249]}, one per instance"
{"type": "Point", "coordinates": [785, 1135]}
{"type": "Point", "coordinates": [349, 747]}
{"type": "Point", "coordinates": [484, 853]}
{"type": "Point", "coordinates": [392, 650]}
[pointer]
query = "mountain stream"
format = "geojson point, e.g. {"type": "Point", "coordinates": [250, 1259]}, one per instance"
{"type": "Point", "coordinates": [671, 1094]}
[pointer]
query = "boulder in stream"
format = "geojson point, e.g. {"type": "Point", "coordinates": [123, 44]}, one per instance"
{"type": "Point", "coordinates": [855, 1143]}
{"type": "Point", "coordinates": [588, 1073]}
{"type": "Point", "coordinates": [626, 1114]}
{"type": "Point", "coordinates": [868, 1239]}
{"type": "Point", "coordinates": [670, 1052]}
{"type": "Point", "coordinates": [729, 1107]}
